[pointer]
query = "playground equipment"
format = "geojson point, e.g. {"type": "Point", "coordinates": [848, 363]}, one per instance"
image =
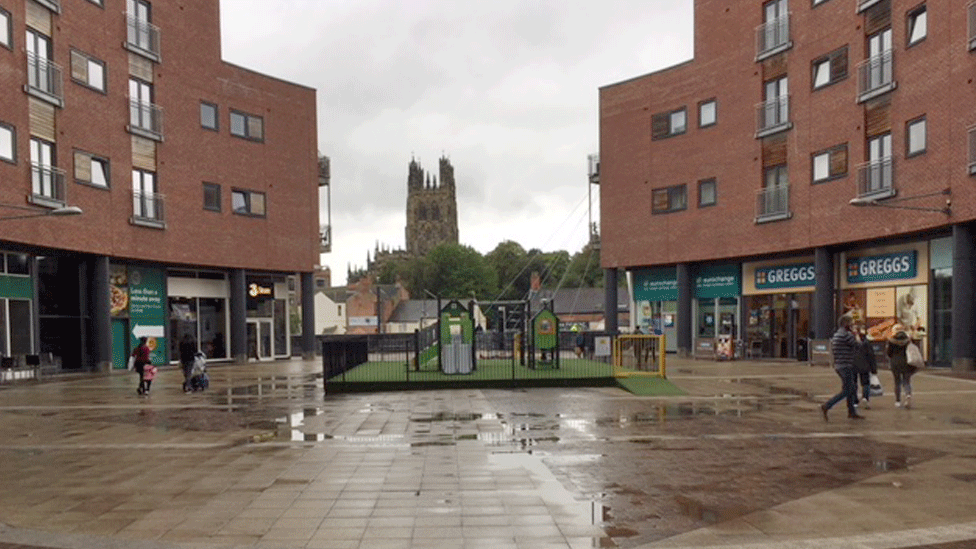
{"type": "Point", "coordinates": [545, 339]}
{"type": "Point", "coordinates": [456, 339]}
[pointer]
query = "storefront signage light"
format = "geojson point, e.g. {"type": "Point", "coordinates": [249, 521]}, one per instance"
{"type": "Point", "coordinates": [879, 268]}
{"type": "Point", "coordinates": [785, 276]}
{"type": "Point", "coordinates": [255, 290]}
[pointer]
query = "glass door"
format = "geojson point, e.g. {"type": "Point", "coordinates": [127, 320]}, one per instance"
{"type": "Point", "coordinates": [259, 337]}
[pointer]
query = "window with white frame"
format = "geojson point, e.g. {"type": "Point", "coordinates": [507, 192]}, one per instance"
{"type": "Point", "coordinates": [87, 70]}
{"type": "Point", "coordinates": [145, 201]}
{"type": "Point", "coordinates": [245, 202]}
{"type": "Point", "coordinates": [5, 33]}
{"type": "Point", "coordinates": [916, 135]}
{"type": "Point", "coordinates": [91, 169]}
{"type": "Point", "coordinates": [917, 25]}
{"type": "Point", "coordinates": [8, 139]}
{"type": "Point", "coordinates": [707, 113]}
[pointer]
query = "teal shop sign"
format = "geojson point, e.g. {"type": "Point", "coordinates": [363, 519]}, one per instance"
{"type": "Point", "coordinates": [882, 268]}
{"type": "Point", "coordinates": [147, 311]}
{"type": "Point", "coordinates": [785, 276]}
{"type": "Point", "coordinates": [656, 285]}
{"type": "Point", "coordinates": [719, 281]}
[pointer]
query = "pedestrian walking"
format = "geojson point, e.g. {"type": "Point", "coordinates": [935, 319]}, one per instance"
{"type": "Point", "coordinates": [188, 351]}
{"type": "Point", "coordinates": [141, 357]}
{"type": "Point", "coordinates": [844, 346]}
{"type": "Point", "coordinates": [866, 364]}
{"type": "Point", "coordinates": [896, 349]}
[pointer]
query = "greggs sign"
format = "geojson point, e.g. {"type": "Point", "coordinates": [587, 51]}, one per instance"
{"type": "Point", "coordinates": [879, 268]}
{"type": "Point", "coordinates": [785, 276]}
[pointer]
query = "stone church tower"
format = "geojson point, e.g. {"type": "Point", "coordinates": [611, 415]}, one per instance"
{"type": "Point", "coordinates": [431, 208]}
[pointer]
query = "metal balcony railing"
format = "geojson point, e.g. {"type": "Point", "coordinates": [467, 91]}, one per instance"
{"type": "Point", "coordinates": [142, 37]}
{"type": "Point", "coordinates": [971, 9]}
{"type": "Point", "coordinates": [875, 179]}
{"type": "Point", "coordinates": [325, 239]}
{"type": "Point", "coordinates": [594, 168]}
{"type": "Point", "coordinates": [876, 75]}
{"type": "Point", "coordinates": [772, 36]}
{"type": "Point", "coordinates": [773, 203]}
{"type": "Point", "coordinates": [47, 184]}
{"type": "Point", "coordinates": [146, 118]}
{"type": "Point", "coordinates": [148, 207]}
{"type": "Point", "coordinates": [773, 115]}
{"type": "Point", "coordinates": [972, 150]}
{"type": "Point", "coordinates": [44, 78]}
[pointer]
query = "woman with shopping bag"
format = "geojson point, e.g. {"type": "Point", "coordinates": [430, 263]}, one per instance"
{"type": "Point", "coordinates": [902, 365]}
{"type": "Point", "coordinates": [867, 370]}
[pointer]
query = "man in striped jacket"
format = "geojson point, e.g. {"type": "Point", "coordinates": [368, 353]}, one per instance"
{"type": "Point", "coordinates": [844, 345]}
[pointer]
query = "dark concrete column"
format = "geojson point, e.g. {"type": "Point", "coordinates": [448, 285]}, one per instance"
{"type": "Point", "coordinates": [684, 309]}
{"type": "Point", "coordinates": [610, 301]}
{"type": "Point", "coordinates": [308, 316]}
{"type": "Point", "coordinates": [963, 285]}
{"type": "Point", "coordinates": [238, 315]}
{"type": "Point", "coordinates": [101, 315]}
{"type": "Point", "coordinates": [823, 295]}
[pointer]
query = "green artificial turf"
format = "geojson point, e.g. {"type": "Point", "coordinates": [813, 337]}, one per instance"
{"type": "Point", "coordinates": [486, 369]}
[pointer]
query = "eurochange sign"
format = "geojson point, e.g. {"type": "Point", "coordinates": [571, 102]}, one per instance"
{"type": "Point", "coordinates": [785, 276]}
{"type": "Point", "coordinates": [656, 285]}
{"type": "Point", "coordinates": [882, 268]}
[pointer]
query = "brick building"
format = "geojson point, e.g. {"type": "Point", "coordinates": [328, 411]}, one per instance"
{"type": "Point", "coordinates": [813, 158]}
{"type": "Point", "coordinates": [198, 182]}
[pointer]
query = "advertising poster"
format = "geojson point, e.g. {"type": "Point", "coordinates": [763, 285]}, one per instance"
{"type": "Point", "coordinates": [147, 312]}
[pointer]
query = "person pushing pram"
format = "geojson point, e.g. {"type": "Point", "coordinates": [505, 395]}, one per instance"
{"type": "Point", "coordinates": [199, 380]}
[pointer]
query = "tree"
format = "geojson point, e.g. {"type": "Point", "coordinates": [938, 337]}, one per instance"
{"type": "Point", "coordinates": [508, 261]}
{"type": "Point", "coordinates": [584, 269]}
{"type": "Point", "coordinates": [452, 271]}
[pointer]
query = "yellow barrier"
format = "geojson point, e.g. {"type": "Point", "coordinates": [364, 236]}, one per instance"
{"type": "Point", "coordinates": [639, 355]}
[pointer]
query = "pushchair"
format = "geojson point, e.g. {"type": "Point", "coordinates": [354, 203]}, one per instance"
{"type": "Point", "coordinates": [199, 380]}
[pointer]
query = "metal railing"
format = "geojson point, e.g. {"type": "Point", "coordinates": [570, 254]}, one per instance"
{"type": "Point", "coordinates": [142, 36]}
{"type": "Point", "coordinates": [773, 113]}
{"type": "Point", "coordinates": [146, 117]}
{"type": "Point", "coordinates": [875, 178]}
{"type": "Point", "coordinates": [148, 207]}
{"type": "Point", "coordinates": [876, 73]}
{"type": "Point", "coordinates": [44, 76]}
{"type": "Point", "coordinates": [773, 202]}
{"type": "Point", "coordinates": [325, 239]}
{"type": "Point", "coordinates": [772, 35]}
{"type": "Point", "coordinates": [47, 183]}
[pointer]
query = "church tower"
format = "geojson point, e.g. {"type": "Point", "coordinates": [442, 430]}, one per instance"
{"type": "Point", "coordinates": [431, 208]}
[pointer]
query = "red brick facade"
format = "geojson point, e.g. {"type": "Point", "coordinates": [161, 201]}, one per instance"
{"type": "Point", "coordinates": [933, 78]}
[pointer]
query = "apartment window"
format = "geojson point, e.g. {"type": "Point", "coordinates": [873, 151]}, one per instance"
{"type": "Point", "coordinates": [830, 68]}
{"type": "Point", "coordinates": [87, 70]}
{"type": "Point", "coordinates": [5, 32]}
{"type": "Point", "coordinates": [47, 182]}
{"type": "Point", "coordinates": [877, 71]}
{"type": "Point", "coordinates": [142, 36]}
{"type": "Point", "coordinates": [99, 3]}
{"type": "Point", "coordinates": [91, 169]}
{"type": "Point", "coordinates": [208, 115]}
{"type": "Point", "coordinates": [707, 113]}
{"type": "Point", "coordinates": [707, 193]}
{"type": "Point", "coordinates": [773, 114]}
{"type": "Point", "coordinates": [875, 177]}
{"type": "Point", "coordinates": [248, 202]}
{"type": "Point", "coordinates": [917, 25]}
{"type": "Point", "coordinates": [669, 199]}
{"type": "Point", "coordinates": [915, 136]}
{"type": "Point", "coordinates": [43, 76]}
{"type": "Point", "coordinates": [145, 118]}
{"type": "Point", "coordinates": [147, 204]}
{"type": "Point", "coordinates": [16, 264]}
{"type": "Point", "coordinates": [816, 3]}
{"type": "Point", "coordinates": [773, 36]}
{"type": "Point", "coordinates": [8, 140]}
{"type": "Point", "coordinates": [830, 164]}
{"type": "Point", "coordinates": [246, 126]}
{"type": "Point", "coordinates": [667, 124]}
{"type": "Point", "coordinates": [211, 197]}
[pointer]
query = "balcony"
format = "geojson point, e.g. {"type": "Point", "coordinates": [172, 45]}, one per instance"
{"type": "Point", "coordinates": [971, 9]}
{"type": "Point", "coordinates": [773, 37]}
{"type": "Point", "coordinates": [145, 119]}
{"type": "Point", "coordinates": [142, 37]}
{"type": "Point", "coordinates": [875, 179]}
{"type": "Point", "coordinates": [325, 239]}
{"type": "Point", "coordinates": [593, 170]}
{"type": "Point", "coordinates": [773, 204]}
{"type": "Point", "coordinates": [773, 116]}
{"type": "Point", "coordinates": [47, 186]}
{"type": "Point", "coordinates": [148, 209]}
{"type": "Point", "coordinates": [875, 76]}
{"type": "Point", "coordinates": [44, 80]}
{"type": "Point", "coordinates": [53, 5]}
{"type": "Point", "coordinates": [972, 151]}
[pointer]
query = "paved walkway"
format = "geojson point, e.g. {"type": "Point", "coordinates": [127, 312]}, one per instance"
{"type": "Point", "coordinates": [263, 459]}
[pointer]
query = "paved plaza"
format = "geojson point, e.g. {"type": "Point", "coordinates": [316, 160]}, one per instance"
{"type": "Point", "coordinates": [265, 459]}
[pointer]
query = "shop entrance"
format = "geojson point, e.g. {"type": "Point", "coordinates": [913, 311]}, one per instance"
{"type": "Point", "coordinates": [260, 334]}
{"type": "Point", "coordinates": [778, 326]}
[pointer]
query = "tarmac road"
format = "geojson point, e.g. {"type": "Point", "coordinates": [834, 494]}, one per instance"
{"type": "Point", "coordinates": [264, 459]}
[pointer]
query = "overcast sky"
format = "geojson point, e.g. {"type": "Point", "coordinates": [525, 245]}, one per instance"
{"type": "Point", "coordinates": [507, 89]}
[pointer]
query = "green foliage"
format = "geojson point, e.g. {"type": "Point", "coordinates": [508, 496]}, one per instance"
{"type": "Point", "coordinates": [451, 271]}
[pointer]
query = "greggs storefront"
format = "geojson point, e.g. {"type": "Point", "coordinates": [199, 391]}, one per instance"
{"type": "Point", "coordinates": [777, 296]}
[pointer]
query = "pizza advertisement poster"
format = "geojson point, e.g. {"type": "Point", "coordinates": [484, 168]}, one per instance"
{"type": "Point", "coordinates": [118, 286]}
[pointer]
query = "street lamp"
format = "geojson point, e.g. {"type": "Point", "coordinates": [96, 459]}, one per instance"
{"type": "Point", "coordinates": [895, 202]}
{"type": "Point", "coordinates": [35, 212]}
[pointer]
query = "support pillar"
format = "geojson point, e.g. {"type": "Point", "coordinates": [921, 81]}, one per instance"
{"type": "Point", "coordinates": [238, 315]}
{"type": "Point", "coordinates": [101, 315]}
{"type": "Point", "coordinates": [963, 285]}
{"type": "Point", "coordinates": [823, 294]}
{"type": "Point", "coordinates": [610, 301]}
{"type": "Point", "coordinates": [684, 309]}
{"type": "Point", "coordinates": [308, 316]}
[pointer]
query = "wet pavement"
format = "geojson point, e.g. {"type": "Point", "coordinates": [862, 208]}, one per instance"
{"type": "Point", "coordinates": [265, 459]}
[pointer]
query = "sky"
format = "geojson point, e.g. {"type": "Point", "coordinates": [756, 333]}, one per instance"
{"type": "Point", "coordinates": [508, 90]}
